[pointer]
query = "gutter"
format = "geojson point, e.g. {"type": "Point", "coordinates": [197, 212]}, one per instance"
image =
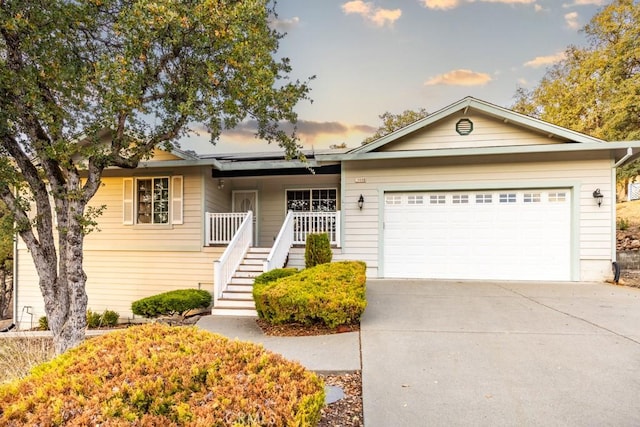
{"type": "Point", "coordinates": [624, 158]}
{"type": "Point", "coordinates": [483, 151]}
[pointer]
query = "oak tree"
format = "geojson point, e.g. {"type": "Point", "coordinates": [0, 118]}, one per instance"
{"type": "Point", "coordinates": [595, 89]}
{"type": "Point", "coordinates": [6, 260]}
{"type": "Point", "coordinates": [87, 85]}
{"type": "Point", "coordinates": [392, 122]}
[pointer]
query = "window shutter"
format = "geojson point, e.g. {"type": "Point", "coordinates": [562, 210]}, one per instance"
{"type": "Point", "coordinates": [176, 200]}
{"type": "Point", "coordinates": [127, 201]}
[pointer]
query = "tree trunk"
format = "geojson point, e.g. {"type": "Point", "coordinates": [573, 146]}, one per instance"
{"type": "Point", "coordinates": [72, 322]}
{"type": "Point", "coordinates": [6, 290]}
{"type": "Point", "coordinates": [62, 282]}
{"type": "Point", "coordinates": [621, 189]}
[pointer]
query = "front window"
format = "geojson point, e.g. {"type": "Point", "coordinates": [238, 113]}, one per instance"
{"type": "Point", "coordinates": [318, 200]}
{"type": "Point", "coordinates": [314, 212]}
{"type": "Point", "coordinates": [152, 201]}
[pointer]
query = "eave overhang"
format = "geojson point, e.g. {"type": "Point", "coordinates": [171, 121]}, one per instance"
{"type": "Point", "coordinates": [618, 150]}
{"type": "Point", "coordinates": [178, 163]}
{"type": "Point", "coordinates": [223, 168]}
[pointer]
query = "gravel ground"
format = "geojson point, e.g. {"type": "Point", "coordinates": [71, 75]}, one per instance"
{"type": "Point", "coordinates": [345, 412]}
{"type": "Point", "coordinates": [630, 278]}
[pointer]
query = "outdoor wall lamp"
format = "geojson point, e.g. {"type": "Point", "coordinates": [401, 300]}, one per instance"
{"type": "Point", "coordinates": [598, 196]}
{"type": "Point", "coordinates": [361, 202]}
{"type": "Point", "coordinates": [220, 184]}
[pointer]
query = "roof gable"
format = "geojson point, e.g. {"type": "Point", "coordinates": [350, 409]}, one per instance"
{"type": "Point", "coordinates": [492, 126]}
{"type": "Point", "coordinates": [159, 155]}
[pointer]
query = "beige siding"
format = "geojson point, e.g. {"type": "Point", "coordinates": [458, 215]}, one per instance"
{"type": "Point", "coordinates": [116, 278]}
{"type": "Point", "coordinates": [115, 235]}
{"type": "Point", "coordinates": [487, 132]}
{"type": "Point", "coordinates": [216, 199]}
{"type": "Point", "coordinates": [162, 155]}
{"type": "Point", "coordinates": [362, 228]}
{"type": "Point", "coordinates": [127, 262]}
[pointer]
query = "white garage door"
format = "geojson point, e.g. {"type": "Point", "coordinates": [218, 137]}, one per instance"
{"type": "Point", "coordinates": [512, 235]}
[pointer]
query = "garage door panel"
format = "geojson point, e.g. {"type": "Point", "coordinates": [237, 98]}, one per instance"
{"type": "Point", "coordinates": [521, 235]}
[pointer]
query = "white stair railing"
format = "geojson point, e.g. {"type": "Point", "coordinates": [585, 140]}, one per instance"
{"type": "Point", "coordinates": [221, 227]}
{"type": "Point", "coordinates": [280, 249]}
{"type": "Point", "coordinates": [305, 223]}
{"type": "Point", "coordinates": [225, 267]}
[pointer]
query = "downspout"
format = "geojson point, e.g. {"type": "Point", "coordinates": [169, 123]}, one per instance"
{"type": "Point", "coordinates": [614, 225]}
{"type": "Point", "coordinates": [15, 272]}
{"type": "Point", "coordinates": [614, 252]}
{"type": "Point", "coordinates": [15, 278]}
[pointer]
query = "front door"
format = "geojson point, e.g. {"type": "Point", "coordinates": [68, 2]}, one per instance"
{"type": "Point", "coordinates": [244, 201]}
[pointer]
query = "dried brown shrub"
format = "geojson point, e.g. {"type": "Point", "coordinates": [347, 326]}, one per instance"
{"type": "Point", "coordinates": [155, 375]}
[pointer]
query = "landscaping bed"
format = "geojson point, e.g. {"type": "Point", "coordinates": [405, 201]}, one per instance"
{"type": "Point", "coordinates": [346, 412]}
{"type": "Point", "coordinates": [628, 240]}
{"type": "Point", "coordinates": [301, 330]}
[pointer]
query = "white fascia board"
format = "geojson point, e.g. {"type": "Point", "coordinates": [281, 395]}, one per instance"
{"type": "Point", "coordinates": [619, 149]}
{"type": "Point", "coordinates": [234, 166]}
{"type": "Point", "coordinates": [266, 164]}
{"type": "Point", "coordinates": [179, 163]}
{"type": "Point", "coordinates": [503, 114]}
{"type": "Point", "coordinates": [183, 154]}
{"type": "Point", "coordinates": [432, 118]}
{"type": "Point", "coordinates": [532, 123]}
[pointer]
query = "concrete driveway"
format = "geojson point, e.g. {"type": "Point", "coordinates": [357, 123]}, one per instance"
{"type": "Point", "coordinates": [500, 354]}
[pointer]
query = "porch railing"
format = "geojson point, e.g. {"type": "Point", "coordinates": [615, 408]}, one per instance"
{"type": "Point", "coordinates": [225, 267]}
{"type": "Point", "coordinates": [305, 223]}
{"type": "Point", "coordinates": [221, 227]}
{"type": "Point", "coordinates": [280, 249]}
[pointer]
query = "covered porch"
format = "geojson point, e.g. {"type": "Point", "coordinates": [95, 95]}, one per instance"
{"type": "Point", "coordinates": [220, 228]}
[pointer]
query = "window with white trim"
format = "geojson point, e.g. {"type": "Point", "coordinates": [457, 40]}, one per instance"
{"type": "Point", "coordinates": [312, 200]}
{"type": "Point", "coordinates": [484, 198]}
{"type": "Point", "coordinates": [531, 197]}
{"type": "Point", "coordinates": [460, 199]}
{"type": "Point", "coordinates": [557, 197]}
{"type": "Point", "coordinates": [437, 199]}
{"type": "Point", "coordinates": [415, 200]}
{"type": "Point", "coordinates": [507, 197]}
{"type": "Point", "coordinates": [152, 200]}
{"type": "Point", "coordinates": [393, 200]}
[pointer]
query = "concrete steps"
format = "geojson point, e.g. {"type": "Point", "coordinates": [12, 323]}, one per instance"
{"type": "Point", "coordinates": [237, 298]}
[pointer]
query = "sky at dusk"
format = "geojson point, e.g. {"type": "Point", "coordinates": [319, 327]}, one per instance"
{"type": "Point", "coordinates": [369, 57]}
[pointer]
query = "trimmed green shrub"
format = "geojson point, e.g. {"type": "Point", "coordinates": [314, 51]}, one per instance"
{"type": "Point", "coordinates": [110, 318]}
{"type": "Point", "coordinates": [333, 294]}
{"type": "Point", "coordinates": [106, 319]}
{"type": "Point", "coordinates": [43, 323]}
{"type": "Point", "coordinates": [276, 274]}
{"type": "Point", "coordinates": [94, 320]}
{"type": "Point", "coordinates": [173, 302]}
{"type": "Point", "coordinates": [158, 375]}
{"type": "Point", "coordinates": [317, 250]}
